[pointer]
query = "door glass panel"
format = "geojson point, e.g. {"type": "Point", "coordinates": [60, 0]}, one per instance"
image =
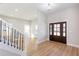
{"type": "Point", "coordinates": [55, 29]}
{"type": "Point", "coordinates": [4, 31]}
{"type": "Point", "coordinates": [63, 33]}
{"type": "Point", "coordinates": [50, 29]}
{"type": "Point", "coordinates": [54, 33]}
{"type": "Point", "coordinates": [63, 29]}
{"type": "Point", "coordinates": [58, 29]}
{"type": "Point", "coordinates": [58, 25]}
{"type": "Point", "coordinates": [64, 25]}
{"type": "Point", "coordinates": [50, 26]}
{"type": "Point", "coordinates": [50, 33]}
{"type": "Point", "coordinates": [58, 33]}
{"type": "Point", "coordinates": [55, 25]}
{"type": "Point", "coordinates": [10, 32]}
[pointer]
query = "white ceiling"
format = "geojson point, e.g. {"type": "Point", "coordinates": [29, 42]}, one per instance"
{"type": "Point", "coordinates": [57, 7]}
{"type": "Point", "coordinates": [18, 10]}
{"type": "Point", "coordinates": [28, 11]}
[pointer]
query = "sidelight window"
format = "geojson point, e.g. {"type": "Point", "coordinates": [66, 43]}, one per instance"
{"type": "Point", "coordinates": [50, 29]}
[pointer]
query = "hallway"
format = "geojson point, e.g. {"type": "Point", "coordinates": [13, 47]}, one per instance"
{"type": "Point", "coordinates": [50, 48]}
{"type": "Point", "coordinates": [23, 26]}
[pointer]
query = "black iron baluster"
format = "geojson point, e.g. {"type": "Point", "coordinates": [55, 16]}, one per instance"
{"type": "Point", "coordinates": [22, 42]}
{"type": "Point", "coordinates": [0, 31]}
{"type": "Point", "coordinates": [14, 37]}
{"type": "Point", "coordinates": [4, 33]}
{"type": "Point", "coordinates": [8, 35]}
{"type": "Point", "coordinates": [17, 38]}
{"type": "Point", "coordinates": [11, 36]}
{"type": "Point", "coordinates": [19, 41]}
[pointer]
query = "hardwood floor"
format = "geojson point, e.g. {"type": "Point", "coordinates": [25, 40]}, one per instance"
{"type": "Point", "coordinates": [50, 48]}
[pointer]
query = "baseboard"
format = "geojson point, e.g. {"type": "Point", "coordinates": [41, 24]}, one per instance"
{"type": "Point", "coordinates": [73, 45]}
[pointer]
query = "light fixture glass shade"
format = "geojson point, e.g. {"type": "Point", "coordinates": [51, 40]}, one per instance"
{"type": "Point", "coordinates": [48, 5]}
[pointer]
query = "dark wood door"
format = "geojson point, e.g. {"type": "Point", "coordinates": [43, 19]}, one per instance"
{"type": "Point", "coordinates": [57, 31]}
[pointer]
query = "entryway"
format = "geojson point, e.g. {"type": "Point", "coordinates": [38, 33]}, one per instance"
{"type": "Point", "coordinates": [58, 32]}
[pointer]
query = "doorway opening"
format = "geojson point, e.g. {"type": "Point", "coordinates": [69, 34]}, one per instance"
{"type": "Point", "coordinates": [58, 32]}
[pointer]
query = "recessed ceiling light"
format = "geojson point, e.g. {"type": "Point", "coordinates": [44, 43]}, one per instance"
{"type": "Point", "coordinates": [11, 15]}
{"type": "Point", "coordinates": [16, 10]}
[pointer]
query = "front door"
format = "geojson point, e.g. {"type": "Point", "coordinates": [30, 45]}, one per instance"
{"type": "Point", "coordinates": [57, 31]}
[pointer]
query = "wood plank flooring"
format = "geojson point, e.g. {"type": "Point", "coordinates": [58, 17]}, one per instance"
{"type": "Point", "coordinates": [51, 48]}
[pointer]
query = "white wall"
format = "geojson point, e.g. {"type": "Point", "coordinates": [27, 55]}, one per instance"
{"type": "Point", "coordinates": [70, 15]}
{"type": "Point", "coordinates": [41, 32]}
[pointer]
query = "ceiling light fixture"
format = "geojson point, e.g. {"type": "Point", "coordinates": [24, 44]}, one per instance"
{"type": "Point", "coordinates": [51, 5]}
{"type": "Point", "coordinates": [11, 15]}
{"type": "Point", "coordinates": [16, 10]}
{"type": "Point", "coordinates": [48, 5]}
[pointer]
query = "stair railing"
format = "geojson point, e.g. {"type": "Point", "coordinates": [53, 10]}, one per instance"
{"type": "Point", "coordinates": [11, 36]}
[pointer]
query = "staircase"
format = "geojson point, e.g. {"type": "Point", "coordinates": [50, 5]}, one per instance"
{"type": "Point", "coordinates": [11, 39]}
